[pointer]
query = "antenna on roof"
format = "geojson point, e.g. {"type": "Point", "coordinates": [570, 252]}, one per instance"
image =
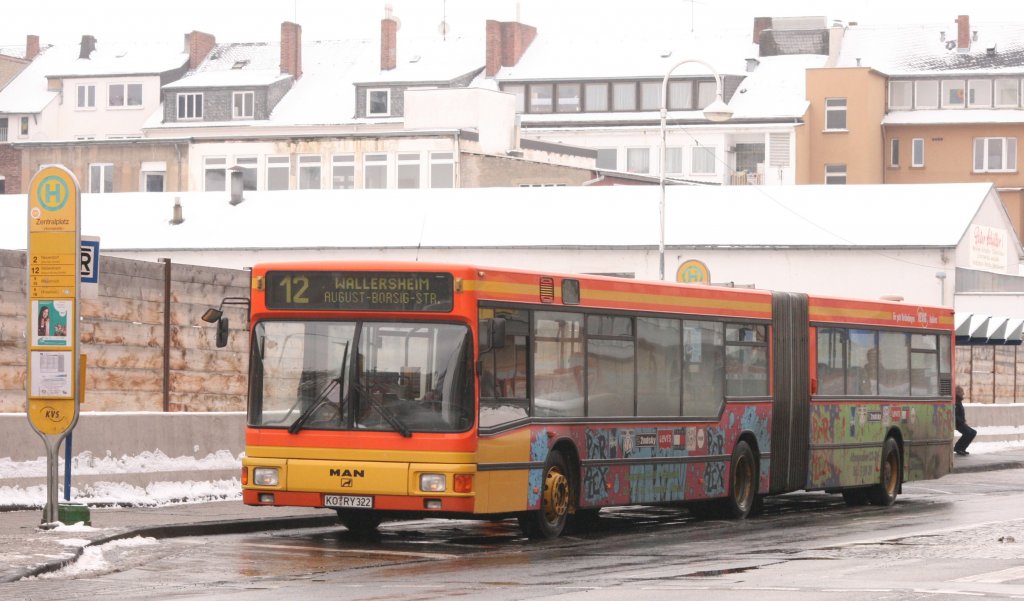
{"type": "Point", "coordinates": [444, 28]}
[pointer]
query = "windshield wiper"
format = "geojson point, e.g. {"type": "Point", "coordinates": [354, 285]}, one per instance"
{"type": "Point", "coordinates": [321, 397]}
{"type": "Point", "coordinates": [384, 412]}
{"type": "Point", "coordinates": [321, 400]}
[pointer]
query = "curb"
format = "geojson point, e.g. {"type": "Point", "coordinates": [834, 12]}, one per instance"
{"type": "Point", "coordinates": [966, 468]}
{"type": "Point", "coordinates": [178, 530]}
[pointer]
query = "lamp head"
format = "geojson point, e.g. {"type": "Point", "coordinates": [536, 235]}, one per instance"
{"type": "Point", "coordinates": [718, 110]}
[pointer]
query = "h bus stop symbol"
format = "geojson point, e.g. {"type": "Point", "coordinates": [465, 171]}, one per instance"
{"type": "Point", "coordinates": [52, 193]}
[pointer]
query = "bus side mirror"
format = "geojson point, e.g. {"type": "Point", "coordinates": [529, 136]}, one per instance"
{"type": "Point", "coordinates": [222, 332]}
{"type": "Point", "coordinates": [492, 334]}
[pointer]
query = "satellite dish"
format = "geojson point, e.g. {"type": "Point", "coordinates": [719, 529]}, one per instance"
{"type": "Point", "coordinates": [398, 23]}
{"type": "Point", "coordinates": [443, 28]}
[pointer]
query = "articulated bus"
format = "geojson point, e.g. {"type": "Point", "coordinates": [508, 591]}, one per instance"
{"type": "Point", "coordinates": [409, 390]}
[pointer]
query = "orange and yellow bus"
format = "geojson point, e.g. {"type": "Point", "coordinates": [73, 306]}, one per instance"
{"type": "Point", "coordinates": [399, 390]}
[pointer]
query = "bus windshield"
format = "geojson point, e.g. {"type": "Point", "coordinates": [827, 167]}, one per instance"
{"type": "Point", "coordinates": [359, 375]}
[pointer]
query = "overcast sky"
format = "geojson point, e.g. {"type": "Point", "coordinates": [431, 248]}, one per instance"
{"type": "Point", "coordinates": [259, 20]}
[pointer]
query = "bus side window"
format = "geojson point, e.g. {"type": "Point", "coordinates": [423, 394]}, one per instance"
{"type": "Point", "coordinates": [502, 370]}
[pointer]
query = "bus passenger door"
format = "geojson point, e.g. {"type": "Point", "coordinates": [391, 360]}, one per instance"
{"type": "Point", "coordinates": [791, 396]}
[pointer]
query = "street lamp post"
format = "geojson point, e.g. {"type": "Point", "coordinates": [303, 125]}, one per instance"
{"type": "Point", "coordinates": [716, 111]}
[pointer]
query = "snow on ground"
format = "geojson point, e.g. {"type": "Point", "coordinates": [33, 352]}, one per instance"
{"type": "Point", "coordinates": [93, 559]}
{"type": "Point", "coordinates": [113, 492]}
{"type": "Point", "coordinates": [86, 463]}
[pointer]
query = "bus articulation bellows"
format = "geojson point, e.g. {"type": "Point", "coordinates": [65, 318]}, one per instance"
{"type": "Point", "coordinates": [398, 390]}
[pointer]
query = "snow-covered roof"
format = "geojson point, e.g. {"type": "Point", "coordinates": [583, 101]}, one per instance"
{"type": "Point", "coordinates": [776, 88]}
{"type": "Point", "coordinates": [925, 215]}
{"type": "Point", "coordinates": [430, 59]}
{"type": "Point", "coordinates": [117, 58]}
{"type": "Point", "coordinates": [559, 57]}
{"type": "Point", "coordinates": [13, 51]}
{"type": "Point", "coordinates": [28, 93]}
{"type": "Point", "coordinates": [931, 49]}
{"type": "Point", "coordinates": [244, 64]}
{"type": "Point", "coordinates": [326, 93]}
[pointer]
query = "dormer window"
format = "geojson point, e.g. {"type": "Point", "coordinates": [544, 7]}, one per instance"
{"type": "Point", "coordinates": [378, 103]}
{"type": "Point", "coordinates": [190, 106]}
{"type": "Point", "coordinates": [242, 105]}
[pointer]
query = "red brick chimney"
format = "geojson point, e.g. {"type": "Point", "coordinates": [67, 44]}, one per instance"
{"type": "Point", "coordinates": [506, 43]}
{"type": "Point", "coordinates": [963, 33]}
{"type": "Point", "coordinates": [198, 45]}
{"type": "Point", "coordinates": [31, 47]}
{"type": "Point", "coordinates": [291, 49]}
{"type": "Point", "coordinates": [760, 24]}
{"type": "Point", "coordinates": [388, 41]}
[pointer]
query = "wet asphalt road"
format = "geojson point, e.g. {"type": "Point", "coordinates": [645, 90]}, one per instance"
{"type": "Point", "coordinates": [958, 537]}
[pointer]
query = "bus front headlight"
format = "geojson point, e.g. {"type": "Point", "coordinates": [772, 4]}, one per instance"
{"type": "Point", "coordinates": [266, 476]}
{"type": "Point", "coordinates": [432, 482]}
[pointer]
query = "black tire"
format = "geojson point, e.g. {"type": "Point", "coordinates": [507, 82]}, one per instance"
{"type": "Point", "coordinates": [855, 497]}
{"type": "Point", "coordinates": [555, 500]}
{"type": "Point", "coordinates": [884, 493]}
{"type": "Point", "coordinates": [744, 476]}
{"type": "Point", "coordinates": [359, 522]}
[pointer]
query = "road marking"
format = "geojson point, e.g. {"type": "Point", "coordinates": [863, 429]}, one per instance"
{"type": "Point", "coordinates": [997, 577]}
{"type": "Point", "coordinates": [357, 551]}
{"type": "Point", "coordinates": [942, 591]}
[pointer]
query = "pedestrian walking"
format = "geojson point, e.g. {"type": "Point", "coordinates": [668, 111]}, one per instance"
{"type": "Point", "coordinates": [967, 433]}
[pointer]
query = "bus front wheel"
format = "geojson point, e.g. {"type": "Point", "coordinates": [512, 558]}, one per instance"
{"type": "Point", "coordinates": [884, 493]}
{"type": "Point", "coordinates": [555, 501]}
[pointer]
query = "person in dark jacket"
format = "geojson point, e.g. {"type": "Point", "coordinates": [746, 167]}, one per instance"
{"type": "Point", "coordinates": [967, 433]}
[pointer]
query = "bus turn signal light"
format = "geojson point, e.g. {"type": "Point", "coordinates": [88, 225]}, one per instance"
{"type": "Point", "coordinates": [245, 475]}
{"type": "Point", "coordinates": [464, 483]}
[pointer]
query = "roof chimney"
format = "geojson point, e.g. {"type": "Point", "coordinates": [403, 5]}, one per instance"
{"type": "Point", "coordinates": [291, 49]}
{"type": "Point", "coordinates": [963, 33]}
{"type": "Point", "coordinates": [88, 45]}
{"type": "Point", "coordinates": [507, 41]}
{"type": "Point", "coordinates": [388, 40]}
{"type": "Point", "coordinates": [760, 24]}
{"type": "Point", "coordinates": [31, 47]}
{"type": "Point", "coordinates": [198, 45]}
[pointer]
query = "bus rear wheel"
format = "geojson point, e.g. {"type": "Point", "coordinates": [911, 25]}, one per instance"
{"type": "Point", "coordinates": [555, 501]}
{"type": "Point", "coordinates": [743, 478]}
{"type": "Point", "coordinates": [884, 493]}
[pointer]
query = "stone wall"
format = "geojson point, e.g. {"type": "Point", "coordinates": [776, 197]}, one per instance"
{"type": "Point", "coordinates": [991, 373]}
{"type": "Point", "coordinates": [140, 356]}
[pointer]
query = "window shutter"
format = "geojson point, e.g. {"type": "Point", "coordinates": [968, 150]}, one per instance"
{"type": "Point", "coordinates": [778, 145]}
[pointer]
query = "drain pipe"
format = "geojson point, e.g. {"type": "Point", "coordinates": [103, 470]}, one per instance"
{"type": "Point", "coordinates": [167, 336]}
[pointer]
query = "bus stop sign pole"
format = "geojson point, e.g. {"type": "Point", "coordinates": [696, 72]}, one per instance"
{"type": "Point", "coordinates": [54, 240]}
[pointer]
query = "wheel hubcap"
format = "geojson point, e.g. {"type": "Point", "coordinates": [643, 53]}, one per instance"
{"type": "Point", "coordinates": [556, 495]}
{"type": "Point", "coordinates": [889, 472]}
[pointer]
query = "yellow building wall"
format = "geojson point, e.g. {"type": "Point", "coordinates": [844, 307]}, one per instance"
{"type": "Point", "coordinates": [859, 147]}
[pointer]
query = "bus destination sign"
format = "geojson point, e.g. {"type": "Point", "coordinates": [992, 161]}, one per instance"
{"type": "Point", "coordinates": [360, 291]}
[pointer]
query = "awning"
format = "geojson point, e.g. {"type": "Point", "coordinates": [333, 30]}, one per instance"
{"type": "Point", "coordinates": [976, 328]}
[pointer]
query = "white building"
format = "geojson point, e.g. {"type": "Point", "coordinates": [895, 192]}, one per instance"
{"type": "Point", "coordinates": [929, 244]}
